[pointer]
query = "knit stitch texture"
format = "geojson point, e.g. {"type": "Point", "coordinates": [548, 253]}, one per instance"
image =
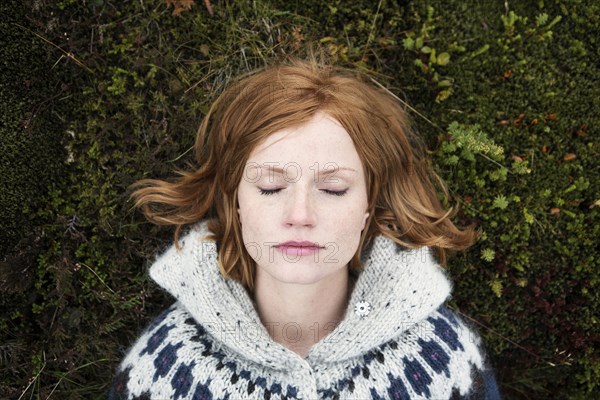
{"type": "Point", "coordinates": [397, 339]}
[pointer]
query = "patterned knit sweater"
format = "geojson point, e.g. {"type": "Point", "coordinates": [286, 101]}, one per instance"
{"type": "Point", "coordinates": [397, 340]}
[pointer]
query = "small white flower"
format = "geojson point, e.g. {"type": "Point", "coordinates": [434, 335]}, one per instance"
{"type": "Point", "coordinates": [362, 308]}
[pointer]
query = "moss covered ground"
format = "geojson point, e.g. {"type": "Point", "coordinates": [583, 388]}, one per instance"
{"type": "Point", "coordinates": [98, 94]}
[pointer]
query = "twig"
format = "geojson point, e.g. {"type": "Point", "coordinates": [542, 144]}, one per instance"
{"type": "Point", "coordinates": [371, 31]}
{"type": "Point", "coordinates": [63, 376]}
{"type": "Point", "coordinates": [209, 7]}
{"type": "Point", "coordinates": [406, 104]}
{"type": "Point", "coordinates": [66, 53]}
{"type": "Point", "coordinates": [101, 280]}
{"type": "Point", "coordinates": [34, 378]}
{"type": "Point", "coordinates": [181, 155]}
{"type": "Point", "coordinates": [495, 162]}
{"type": "Point", "coordinates": [503, 337]}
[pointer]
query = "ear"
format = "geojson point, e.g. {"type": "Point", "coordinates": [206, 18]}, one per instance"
{"type": "Point", "coordinates": [365, 220]}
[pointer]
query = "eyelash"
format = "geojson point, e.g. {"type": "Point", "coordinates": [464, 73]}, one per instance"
{"type": "Point", "coordinates": [331, 192]}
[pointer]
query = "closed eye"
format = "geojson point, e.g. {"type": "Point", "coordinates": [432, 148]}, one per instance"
{"type": "Point", "coordinates": [336, 193]}
{"type": "Point", "coordinates": [267, 192]}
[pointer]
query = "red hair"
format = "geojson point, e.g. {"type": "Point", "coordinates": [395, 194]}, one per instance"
{"type": "Point", "coordinates": [402, 185]}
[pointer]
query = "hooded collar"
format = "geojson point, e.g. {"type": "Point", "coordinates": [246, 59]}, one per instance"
{"type": "Point", "coordinates": [396, 289]}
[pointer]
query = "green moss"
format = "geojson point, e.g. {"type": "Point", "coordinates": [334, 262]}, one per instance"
{"type": "Point", "coordinates": [510, 95]}
{"type": "Point", "coordinates": [30, 150]}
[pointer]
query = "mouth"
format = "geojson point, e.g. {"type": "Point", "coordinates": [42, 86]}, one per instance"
{"type": "Point", "coordinates": [299, 244]}
{"type": "Point", "coordinates": [300, 248]}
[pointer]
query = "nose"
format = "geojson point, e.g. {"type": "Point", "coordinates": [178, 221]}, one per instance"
{"type": "Point", "coordinates": [300, 208]}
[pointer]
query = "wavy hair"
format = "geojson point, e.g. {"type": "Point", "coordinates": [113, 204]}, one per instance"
{"type": "Point", "coordinates": [402, 186]}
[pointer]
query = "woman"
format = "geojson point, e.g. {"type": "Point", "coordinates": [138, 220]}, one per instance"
{"type": "Point", "coordinates": [310, 265]}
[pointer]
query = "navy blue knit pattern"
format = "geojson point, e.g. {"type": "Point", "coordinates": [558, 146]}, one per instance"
{"type": "Point", "coordinates": [194, 379]}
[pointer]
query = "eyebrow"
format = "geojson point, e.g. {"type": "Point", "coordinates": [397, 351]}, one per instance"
{"type": "Point", "coordinates": [328, 171]}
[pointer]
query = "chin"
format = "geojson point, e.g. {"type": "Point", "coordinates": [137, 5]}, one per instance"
{"type": "Point", "coordinates": [296, 274]}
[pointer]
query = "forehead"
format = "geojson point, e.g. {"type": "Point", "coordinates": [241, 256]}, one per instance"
{"type": "Point", "coordinates": [322, 139]}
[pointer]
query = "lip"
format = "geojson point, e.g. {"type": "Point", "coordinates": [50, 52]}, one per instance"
{"type": "Point", "coordinates": [298, 248]}
{"type": "Point", "coordinates": [302, 243]}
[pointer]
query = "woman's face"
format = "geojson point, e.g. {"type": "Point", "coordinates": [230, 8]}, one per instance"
{"type": "Point", "coordinates": [285, 195]}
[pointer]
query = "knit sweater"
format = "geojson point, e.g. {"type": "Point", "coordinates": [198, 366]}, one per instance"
{"type": "Point", "coordinates": [397, 339]}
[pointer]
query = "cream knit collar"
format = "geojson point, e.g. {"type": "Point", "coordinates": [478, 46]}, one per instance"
{"type": "Point", "coordinates": [401, 287]}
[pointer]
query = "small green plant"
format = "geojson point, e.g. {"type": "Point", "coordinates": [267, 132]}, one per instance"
{"type": "Point", "coordinates": [429, 59]}
{"type": "Point", "coordinates": [488, 255]}
{"type": "Point", "coordinates": [472, 140]}
{"type": "Point", "coordinates": [500, 202]}
{"type": "Point", "coordinates": [517, 31]}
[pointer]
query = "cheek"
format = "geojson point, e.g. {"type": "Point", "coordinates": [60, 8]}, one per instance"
{"type": "Point", "coordinates": [253, 223]}
{"type": "Point", "coordinates": [245, 205]}
{"type": "Point", "coordinates": [349, 225]}
{"type": "Point", "coordinates": [355, 213]}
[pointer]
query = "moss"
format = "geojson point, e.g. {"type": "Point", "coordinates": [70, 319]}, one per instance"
{"type": "Point", "coordinates": [30, 150]}
{"type": "Point", "coordinates": [526, 92]}
{"type": "Point", "coordinates": [509, 97]}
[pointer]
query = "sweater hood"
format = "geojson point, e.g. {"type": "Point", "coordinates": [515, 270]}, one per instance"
{"type": "Point", "coordinates": [396, 289]}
